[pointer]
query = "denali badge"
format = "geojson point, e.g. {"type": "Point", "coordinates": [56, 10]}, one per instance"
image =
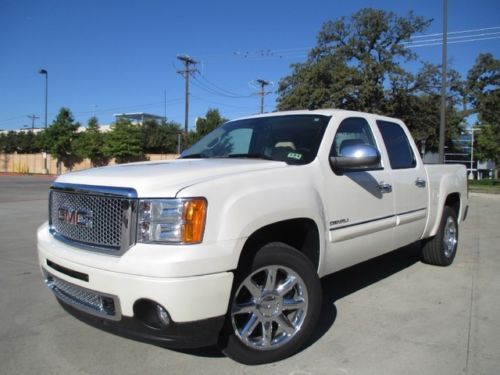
{"type": "Point", "coordinates": [75, 217]}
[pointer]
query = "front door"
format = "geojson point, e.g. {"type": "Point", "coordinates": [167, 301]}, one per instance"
{"type": "Point", "coordinates": [359, 204]}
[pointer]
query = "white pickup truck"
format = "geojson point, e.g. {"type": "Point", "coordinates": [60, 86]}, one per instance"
{"type": "Point", "coordinates": [227, 244]}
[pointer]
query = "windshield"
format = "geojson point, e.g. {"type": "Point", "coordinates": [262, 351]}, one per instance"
{"type": "Point", "coordinates": [294, 139]}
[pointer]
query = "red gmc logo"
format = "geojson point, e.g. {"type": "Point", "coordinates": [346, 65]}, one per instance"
{"type": "Point", "coordinates": [73, 216]}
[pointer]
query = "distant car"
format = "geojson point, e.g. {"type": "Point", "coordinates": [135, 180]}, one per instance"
{"type": "Point", "coordinates": [227, 244]}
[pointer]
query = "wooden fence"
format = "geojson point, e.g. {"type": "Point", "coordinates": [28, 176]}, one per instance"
{"type": "Point", "coordinates": [34, 163]}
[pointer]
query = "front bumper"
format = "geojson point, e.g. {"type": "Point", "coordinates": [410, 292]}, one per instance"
{"type": "Point", "coordinates": [195, 334]}
{"type": "Point", "coordinates": [196, 305]}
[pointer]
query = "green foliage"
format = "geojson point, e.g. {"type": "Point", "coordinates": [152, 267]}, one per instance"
{"type": "Point", "coordinates": [91, 144]}
{"type": "Point", "coordinates": [23, 142]}
{"type": "Point", "coordinates": [160, 138]}
{"type": "Point", "coordinates": [351, 62]}
{"type": "Point", "coordinates": [416, 99]}
{"type": "Point", "coordinates": [205, 125]}
{"type": "Point", "coordinates": [356, 65]}
{"type": "Point", "coordinates": [60, 139]}
{"type": "Point", "coordinates": [483, 83]}
{"type": "Point", "coordinates": [124, 142]}
{"type": "Point", "coordinates": [487, 144]}
{"type": "Point", "coordinates": [212, 120]}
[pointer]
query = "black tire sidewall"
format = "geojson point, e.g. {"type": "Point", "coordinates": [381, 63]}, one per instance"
{"type": "Point", "coordinates": [448, 212]}
{"type": "Point", "coordinates": [281, 255]}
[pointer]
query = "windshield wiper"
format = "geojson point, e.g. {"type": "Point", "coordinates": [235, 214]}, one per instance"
{"type": "Point", "coordinates": [194, 156]}
{"type": "Point", "coordinates": [250, 156]}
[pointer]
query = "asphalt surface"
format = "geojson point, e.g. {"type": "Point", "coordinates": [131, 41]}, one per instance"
{"type": "Point", "coordinates": [391, 315]}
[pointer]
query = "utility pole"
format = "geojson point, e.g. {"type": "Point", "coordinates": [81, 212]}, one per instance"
{"type": "Point", "coordinates": [262, 93]}
{"type": "Point", "coordinates": [442, 122]}
{"type": "Point", "coordinates": [188, 61]}
{"type": "Point", "coordinates": [33, 118]}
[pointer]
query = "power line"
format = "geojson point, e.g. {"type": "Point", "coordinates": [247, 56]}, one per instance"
{"type": "Point", "coordinates": [457, 32]}
{"type": "Point", "coordinates": [235, 95]}
{"type": "Point", "coordinates": [452, 42]}
{"type": "Point", "coordinates": [415, 41]}
{"type": "Point", "coordinates": [215, 91]}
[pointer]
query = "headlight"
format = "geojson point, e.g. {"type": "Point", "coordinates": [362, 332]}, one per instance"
{"type": "Point", "coordinates": [180, 221]}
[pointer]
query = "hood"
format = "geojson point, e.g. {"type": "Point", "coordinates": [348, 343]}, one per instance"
{"type": "Point", "coordinates": [165, 178]}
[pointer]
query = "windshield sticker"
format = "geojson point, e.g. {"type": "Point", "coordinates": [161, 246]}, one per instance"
{"type": "Point", "coordinates": [294, 155]}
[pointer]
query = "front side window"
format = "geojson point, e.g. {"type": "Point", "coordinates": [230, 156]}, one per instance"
{"type": "Point", "coordinates": [352, 131]}
{"type": "Point", "coordinates": [401, 155]}
{"type": "Point", "coordinates": [294, 139]}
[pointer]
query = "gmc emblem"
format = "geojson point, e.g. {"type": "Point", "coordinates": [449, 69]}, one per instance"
{"type": "Point", "coordinates": [73, 216]}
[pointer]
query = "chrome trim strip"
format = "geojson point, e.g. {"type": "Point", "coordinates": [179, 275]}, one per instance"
{"type": "Point", "coordinates": [377, 219]}
{"type": "Point", "coordinates": [412, 211]}
{"type": "Point", "coordinates": [363, 222]}
{"type": "Point", "coordinates": [95, 190]}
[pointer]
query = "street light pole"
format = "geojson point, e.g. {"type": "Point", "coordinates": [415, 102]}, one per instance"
{"type": "Point", "coordinates": [46, 73]}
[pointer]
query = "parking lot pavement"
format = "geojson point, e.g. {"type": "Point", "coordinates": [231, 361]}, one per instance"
{"type": "Point", "coordinates": [391, 315]}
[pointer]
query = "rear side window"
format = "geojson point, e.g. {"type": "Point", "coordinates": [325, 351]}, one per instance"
{"type": "Point", "coordinates": [401, 155]}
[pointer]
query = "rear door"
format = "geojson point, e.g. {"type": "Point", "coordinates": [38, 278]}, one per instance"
{"type": "Point", "coordinates": [409, 181]}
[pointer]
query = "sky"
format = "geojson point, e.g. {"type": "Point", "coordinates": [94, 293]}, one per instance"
{"type": "Point", "coordinates": [118, 56]}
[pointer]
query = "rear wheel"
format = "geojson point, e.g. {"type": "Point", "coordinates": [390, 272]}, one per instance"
{"type": "Point", "coordinates": [441, 249]}
{"type": "Point", "coordinates": [274, 308]}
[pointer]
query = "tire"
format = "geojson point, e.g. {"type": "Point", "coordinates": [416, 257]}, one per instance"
{"type": "Point", "coordinates": [274, 306]}
{"type": "Point", "coordinates": [441, 249]}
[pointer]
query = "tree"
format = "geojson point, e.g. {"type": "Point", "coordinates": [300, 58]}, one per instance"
{"type": "Point", "coordinates": [351, 62]}
{"type": "Point", "coordinates": [124, 142]}
{"type": "Point", "coordinates": [160, 138]}
{"type": "Point", "coordinates": [205, 125]}
{"type": "Point", "coordinates": [91, 144]}
{"type": "Point", "coordinates": [212, 120]}
{"type": "Point", "coordinates": [59, 139]}
{"type": "Point", "coordinates": [483, 83]}
{"type": "Point", "coordinates": [416, 100]}
{"type": "Point", "coordinates": [356, 65]}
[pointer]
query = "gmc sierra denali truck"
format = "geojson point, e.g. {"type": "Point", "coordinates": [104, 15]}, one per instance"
{"type": "Point", "coordinates": [227, 244]}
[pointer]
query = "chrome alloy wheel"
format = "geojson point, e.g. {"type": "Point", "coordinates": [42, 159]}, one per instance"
{"type": "Point", "coordinates": [450, 237]}
{"type": "Point", "coordinates": [269, 307]}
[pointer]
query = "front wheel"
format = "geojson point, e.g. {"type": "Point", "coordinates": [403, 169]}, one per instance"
{"type": "Point", "coordinates": [274, 308]}
{"type": "Point", "coordinates": [441, 249]}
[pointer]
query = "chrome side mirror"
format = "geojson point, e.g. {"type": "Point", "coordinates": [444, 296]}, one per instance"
{"type": "Point", "coordinates": [355, 157]}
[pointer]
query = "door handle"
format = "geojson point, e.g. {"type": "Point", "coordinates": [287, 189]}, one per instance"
{"type": "Point", "coordinates": [420, 182]}
{"type": "Point", "coordinates": [384, 187]}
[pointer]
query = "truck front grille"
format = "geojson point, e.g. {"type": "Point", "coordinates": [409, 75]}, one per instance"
{"type": "Point", "coordinates": [92, 217]}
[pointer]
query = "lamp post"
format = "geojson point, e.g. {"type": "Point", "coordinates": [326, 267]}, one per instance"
{"type": "Point", "coordinates": [46, 73]}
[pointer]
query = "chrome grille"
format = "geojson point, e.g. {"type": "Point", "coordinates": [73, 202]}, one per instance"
{"type": "Point", "coordinates": [84, 299]}
{"type": "Point", "coordinates": [92, 218]}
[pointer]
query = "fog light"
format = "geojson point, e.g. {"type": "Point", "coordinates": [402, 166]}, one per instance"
{"type": "Point", "coordinates": [151, 314]}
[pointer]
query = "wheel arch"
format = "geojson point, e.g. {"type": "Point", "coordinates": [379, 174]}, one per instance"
{"type": "Point", "coordinates": [452, 200]}
{"type": "Point", "coordinates": [300, 233]}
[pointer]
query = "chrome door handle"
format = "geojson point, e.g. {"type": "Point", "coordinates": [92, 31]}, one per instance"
{"type": "Point", "coordinates": [384, 187]}
{"type": "Point", "coordinates": [420, 182]}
